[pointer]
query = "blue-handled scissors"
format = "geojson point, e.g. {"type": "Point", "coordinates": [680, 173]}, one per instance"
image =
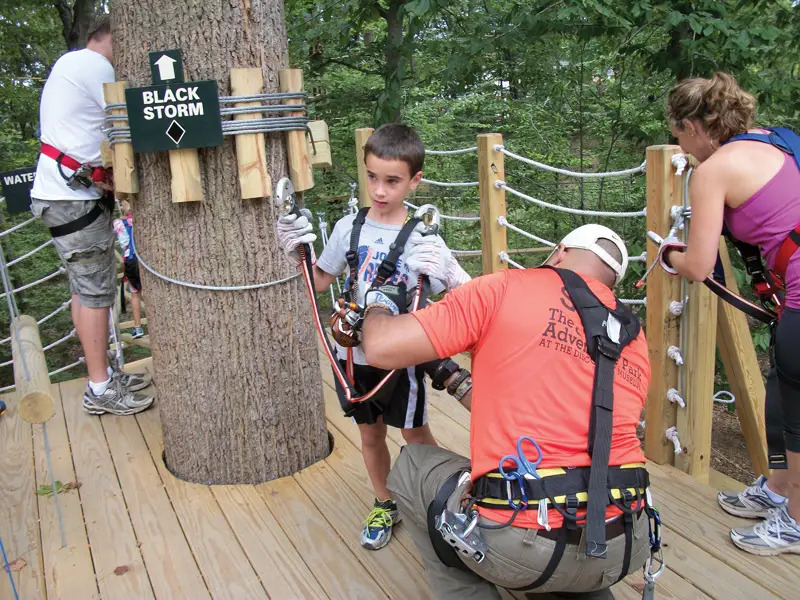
{"type": "Point", "coordinates": [523, 468]}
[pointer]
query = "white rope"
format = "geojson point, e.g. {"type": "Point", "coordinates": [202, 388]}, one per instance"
{"type": "Point", "coordinates": [31, 253]}
{"type": "Point", "coordinates": [216, 288]}
{"type": "Point", "coordinates": [504, 223]}
{"type": "Point", "coordinates": [80, 361]}
{"type": "Point", "coordinates": [56, 273]}
{"type": "Point", "coordinates": [680, 162]}
{"type": "Point", "coordinates": [672, 436]}
{"type": "Point", "coordinates": [676, 308]}
{"type": "Point", "coordinates": [15, 227]}
{"type": "Point", "coordinates": [640, 258]}
{"type": "Point", "coordinates": [70, 335]}
{"type": "Point", "coordinates": [674, 396]}
{"type": "Point", "coordinates": [505, 258]}
{"type": "Point", "coordinates": [443, 216]}
{"type": "Point", "coordinates": [450, 183]}
{"type": "Point", "coordinates": [724, 397]}
{"type": "Point", "coordinates": [449, 152]}
{"type": "Point", "coordinates": [573, 211]}
{"type": "Point", "coordinates": [46, 318]}
{"type": "Point", "coordinates": [467, 253]}
{"type": "Point", "coordinates": [634, 301]}
{"type": "Point", "coordinates": [544, 167]}
{"type": "Point", "coordinates": [674, 353]}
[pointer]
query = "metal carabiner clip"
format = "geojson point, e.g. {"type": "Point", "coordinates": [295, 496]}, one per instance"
{"type": "Point", "coordinates": [523, 502]}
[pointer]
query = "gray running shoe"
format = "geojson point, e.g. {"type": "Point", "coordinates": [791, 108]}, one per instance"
{"type": "Point", "coordinates": [378, 526]}
{"type": "Point", "coordinates": [114, 402]}
{"type": "Point", "coordinates": [137, 332]}
{"type": "Point", "coordinates": [778, 534]}
{"type": "Point", "coordinates": [133, 382]}
{"type": "Point", "coordinates": [752, 503]}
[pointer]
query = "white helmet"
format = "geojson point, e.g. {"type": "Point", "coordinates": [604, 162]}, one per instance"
{"type": "Point", "coordinates": [585, 238]}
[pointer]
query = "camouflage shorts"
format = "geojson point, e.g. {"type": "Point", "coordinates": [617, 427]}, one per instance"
{"type": "Point", "coordinates": [88, 254]}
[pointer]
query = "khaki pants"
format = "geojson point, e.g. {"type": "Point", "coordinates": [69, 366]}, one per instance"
{"type": "Point", "coordinates": [516, 556]}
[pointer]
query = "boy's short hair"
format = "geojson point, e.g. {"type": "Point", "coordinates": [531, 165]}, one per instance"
{"type": "Point", "coordinates": [100, 27]}
{"type": "Point", "coordinates": [395, 141]}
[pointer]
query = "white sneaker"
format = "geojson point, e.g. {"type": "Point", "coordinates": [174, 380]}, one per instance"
{"type": "Point", "coordinates": [752, 503]}
{"type": "Point", "coordinates": [778, 534]}
{"type": "Point", "coordinates": [114, 402]}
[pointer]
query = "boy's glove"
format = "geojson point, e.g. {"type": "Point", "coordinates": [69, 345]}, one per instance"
{"type": "Point", "coordinates": [292, 232]}
{"type": "Point", "coordinates": [429, 255]}
{"type": "Point", "coordinates": [667, 245]}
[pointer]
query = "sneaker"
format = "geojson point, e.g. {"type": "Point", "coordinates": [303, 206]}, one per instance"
{"type": "Point", "coordinates": [778, 534]}
{"type": "Point", "coordinates": [133, 382]}
{"type": "Point", "coordinates": [378, 527]}
{"type": "Point", "coordinates": [137, 332]}
{"type": "Point", "coordinates": [752, 503]}
{"type": "Point", "coordinates": [114, 402]}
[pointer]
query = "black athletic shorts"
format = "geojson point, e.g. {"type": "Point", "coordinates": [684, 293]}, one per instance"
{"type": "Point", "coordinates": [402, 402]}
{"type": "Point", "coordinates": [131, 272]}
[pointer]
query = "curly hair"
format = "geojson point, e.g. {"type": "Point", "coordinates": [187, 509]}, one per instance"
{"type": "Point", "coordinates": [723, 107]}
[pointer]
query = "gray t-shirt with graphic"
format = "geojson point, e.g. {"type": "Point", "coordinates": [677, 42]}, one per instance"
{"type": "Point", "coordinates": [373, 246]}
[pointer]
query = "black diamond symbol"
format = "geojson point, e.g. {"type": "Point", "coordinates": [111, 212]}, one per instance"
{"type": "Point", "coordinates": [175, 132]}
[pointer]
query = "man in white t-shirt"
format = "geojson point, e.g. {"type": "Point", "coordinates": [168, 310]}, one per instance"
{"type": "Point", "coordinates": [67, 198]}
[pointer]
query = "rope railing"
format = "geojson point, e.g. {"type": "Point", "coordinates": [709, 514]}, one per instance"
{"type": "Point", "coordinates": [578, 174]}
{"type": "Point", "coordinates": [503, 222]}
{"type": "Point", "coordinates": [18, 226]}
{"type": "Point", "coordinates": [31, 253]}
{"type": "Point", "coordinates": [444, 216]}
{"type": "Point", "coordinates": [69, 336]}
{"type": "Point", "coordinates": [450, 183]}
{"type": "Point", "coordinates": [80, 361]}
{"type": "Point", "coordinates": [634, 301]}
{"type": "Point", "coordinates": [21, 288]}
{"type": "Point", "coordinates": [44, 319]}
{"type": "Point", "coordinates": [572, 211]}
{"type": "Point", "coordinates": [507, 259]}
{"type": "Point", "coordinates": [467, 253]}
{"type": "Point", "coordinates": [451, 152]}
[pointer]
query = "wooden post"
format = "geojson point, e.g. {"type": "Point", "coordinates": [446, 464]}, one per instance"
{"type": "Point", "coordinates": [741, 366]}
{"type": "Point", "coordinates": [291, 80]}
{"type": "Point", "coordinates": [664, 190]}
{"type": "Point", "coordinates": [491, 168]}
{"type": "Point", "coordinates": [320, 149]}
{"type": "Point", "coordinates": [106, 154]}
{"type": "Point", "coordinates": [125, 178]}
{"type": "Point", "coordinates": [30, 371]}
{"type": "Point", "coordinates": [699, 356]}
{"type": "Point", "coordinates": [251, 157]}
{"type": "Point", "coordinates": [187, 185]}
{"type": "Point", "coordinates": [362, 135]}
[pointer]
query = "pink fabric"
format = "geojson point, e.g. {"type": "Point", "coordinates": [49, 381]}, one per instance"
{"type": "Point", "coordinates": [767, 217]}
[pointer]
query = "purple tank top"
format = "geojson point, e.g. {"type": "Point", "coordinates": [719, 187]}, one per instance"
{"type": "Point", "coordinates": [767, 217]}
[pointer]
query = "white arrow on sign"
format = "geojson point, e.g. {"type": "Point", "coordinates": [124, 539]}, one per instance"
{"type": "Point", "coordinates": [166, 70]}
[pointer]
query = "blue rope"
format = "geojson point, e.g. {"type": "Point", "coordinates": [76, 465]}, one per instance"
{"type": "Point", "coordinates": [8, 570]}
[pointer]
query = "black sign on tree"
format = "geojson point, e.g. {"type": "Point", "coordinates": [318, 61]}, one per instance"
{"type": "Point", "coordinates": [172, 116]}
{"type": "Point", "coordinates": [17, 189]}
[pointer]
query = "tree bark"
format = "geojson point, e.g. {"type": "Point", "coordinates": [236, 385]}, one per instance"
{"type": "Point", "coordinates": [239, 388]}
{"type": "Point", "coordinates": [75, 21]}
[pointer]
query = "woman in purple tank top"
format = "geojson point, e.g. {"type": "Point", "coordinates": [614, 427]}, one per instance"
{"type": "Point", "coordinates": [754, 188]}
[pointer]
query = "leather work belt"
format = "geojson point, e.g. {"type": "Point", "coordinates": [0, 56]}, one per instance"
{"type": "Point", "coordinates": [492, 491]}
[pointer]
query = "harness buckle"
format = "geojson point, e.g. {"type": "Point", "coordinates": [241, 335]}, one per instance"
{"type": "Point", "coordinates": [80, 178]}
{"type": "Point", "coordinates": [459, 530]}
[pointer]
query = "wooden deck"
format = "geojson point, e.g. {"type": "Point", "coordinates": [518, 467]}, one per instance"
{"type": "Point", "coordinates": [134, 531]}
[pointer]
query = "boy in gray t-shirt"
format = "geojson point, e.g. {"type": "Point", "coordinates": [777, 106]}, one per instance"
{"type": "Point", "coordinates": [393, 157]}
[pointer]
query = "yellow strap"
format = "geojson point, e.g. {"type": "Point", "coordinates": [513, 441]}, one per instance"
{"type": "Point", "coordinates": [582, 497]}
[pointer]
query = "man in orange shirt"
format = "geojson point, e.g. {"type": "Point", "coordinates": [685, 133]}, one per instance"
{"type": "Point", "coordinates": [545, 392]}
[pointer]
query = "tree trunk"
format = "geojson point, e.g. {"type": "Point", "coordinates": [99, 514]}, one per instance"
{"type": "Point", "coordinates": [75, 21]}
{"type": "Point", "coordinates": [239, 389]}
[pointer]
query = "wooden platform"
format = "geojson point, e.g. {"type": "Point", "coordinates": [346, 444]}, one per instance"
{"type": "Point", "coordinates": [134, 531]}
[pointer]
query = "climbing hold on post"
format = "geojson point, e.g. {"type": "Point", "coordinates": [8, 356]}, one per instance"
{"type": "Point", "coordinates": [680, 162]}
{"type": "Point", "coordinates": [676, 308]}
{"type": "Point", "coordinates": [672, 436]}
{"type": "Point", "coordinates": [674, 396]}
{"type": "Point", "coordinates": [674, 353]}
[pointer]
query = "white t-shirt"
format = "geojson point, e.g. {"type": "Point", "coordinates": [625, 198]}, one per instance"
{"type": "Point", "coordinates": [373, 246]}
{"type": "Point", "coordinates": [71, 115]}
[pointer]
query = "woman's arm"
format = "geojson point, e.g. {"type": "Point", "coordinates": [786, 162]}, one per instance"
{"type": "Point", "coordinates": [707, 190]}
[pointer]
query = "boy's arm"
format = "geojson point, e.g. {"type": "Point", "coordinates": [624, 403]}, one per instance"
{"type": "Point", "coordinates": [322, 279]}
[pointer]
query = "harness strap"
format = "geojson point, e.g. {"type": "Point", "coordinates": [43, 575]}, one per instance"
{"type": "Point", "coordinates": [79, 223]}
{"type": "Point", "coordinates": [351, 256]}
{"type": "Point", "coordinates": [446, 553]}
{"type": "Point", "coordinates": [98, 173]}
{"type": "Point", "coordinates": [396, 248]}
{"type": "Point", "coordinates": [787, 249]}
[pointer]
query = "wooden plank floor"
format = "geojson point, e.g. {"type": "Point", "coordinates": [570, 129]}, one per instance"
{"type": "Point", "coordinates": [292, 538]}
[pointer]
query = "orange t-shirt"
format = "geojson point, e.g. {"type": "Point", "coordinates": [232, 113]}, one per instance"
{"type": "Point", "coordinates": [531, 373]}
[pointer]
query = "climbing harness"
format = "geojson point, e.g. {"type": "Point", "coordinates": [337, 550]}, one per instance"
{"type": "Point", "coordinates": [83, 175]}
{"type": "Point", "coordinates": [285, 203]}
{"type": "Point", "coordinates": [518, 484]}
